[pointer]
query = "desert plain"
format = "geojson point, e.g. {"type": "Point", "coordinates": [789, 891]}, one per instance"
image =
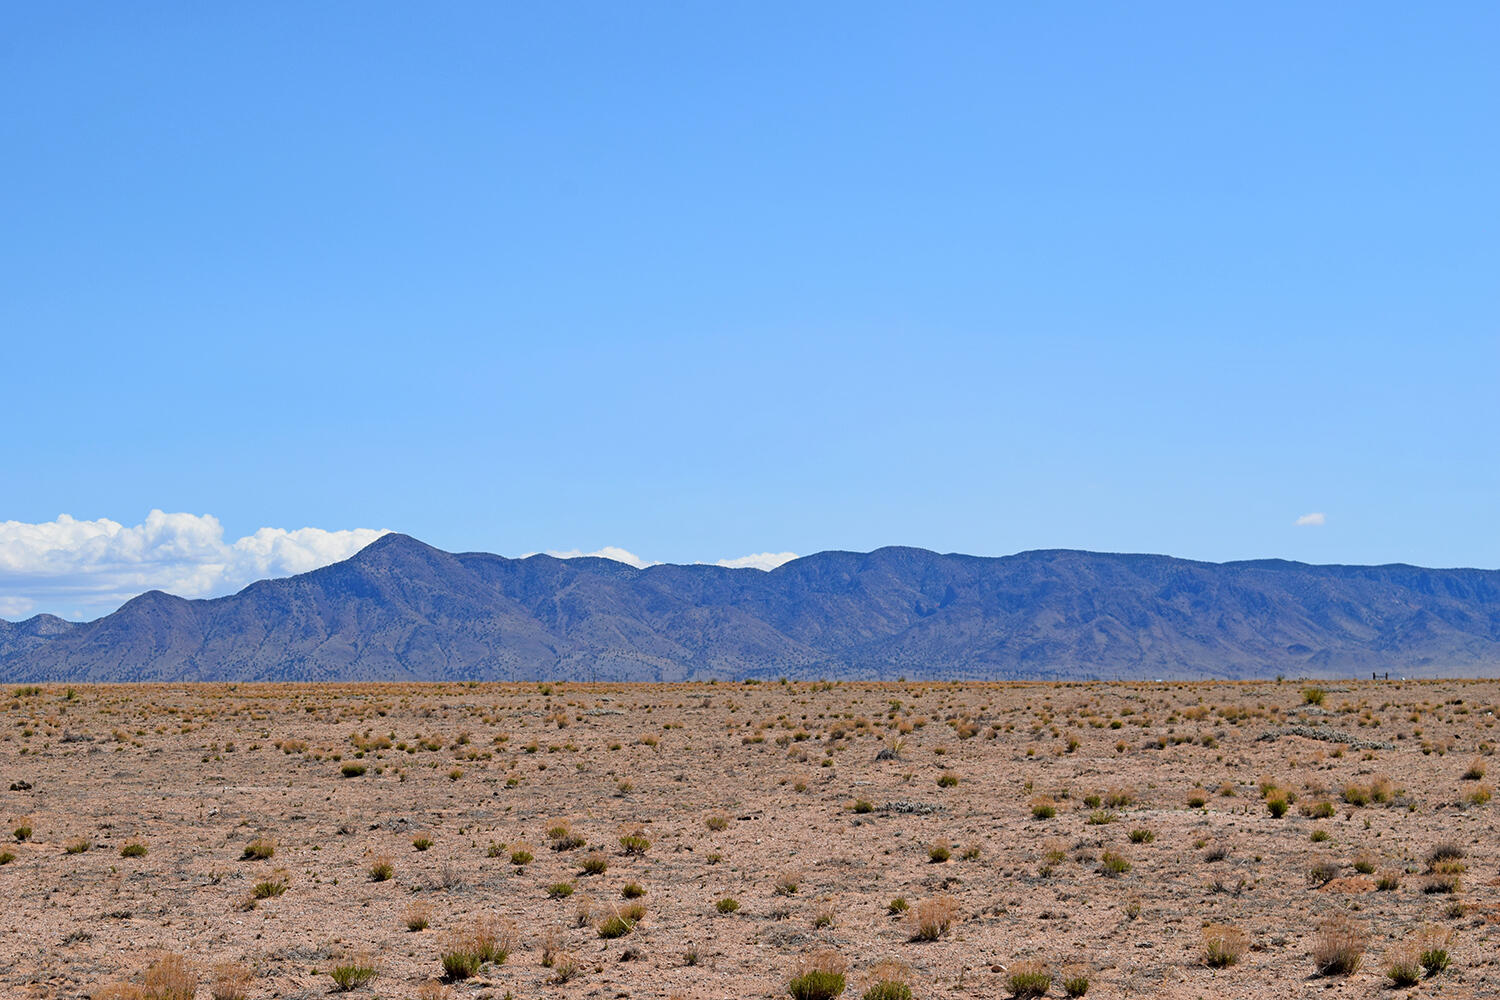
{"type": "Point", "coordinates": [1176, 840]}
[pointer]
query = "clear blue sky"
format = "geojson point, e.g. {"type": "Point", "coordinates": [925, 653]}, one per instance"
{"type": "Point", "coordinates": [702, 280]}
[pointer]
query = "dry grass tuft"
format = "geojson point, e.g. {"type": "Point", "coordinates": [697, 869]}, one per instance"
{"type": "Point", "coordinates": [1338, 946]}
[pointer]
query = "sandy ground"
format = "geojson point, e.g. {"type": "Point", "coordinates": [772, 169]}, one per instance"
{"type": "Point", "coordinates": [795, 774]}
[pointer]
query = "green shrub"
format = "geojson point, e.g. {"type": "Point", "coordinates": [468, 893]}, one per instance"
{"type": "Point", "coordinates": [1029, 979]}
{"type": "Point", "coordinates": [352, 770]}
{"type": "Point", "coordinates": [727, 905]}
{"type": "Point", "coordinates": [133, 849]}
{"type": "Point", "coordinates": [353, 973]}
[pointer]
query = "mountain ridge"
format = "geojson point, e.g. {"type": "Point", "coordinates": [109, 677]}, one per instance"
{"type": "Point", "coordinates": [400, 609]}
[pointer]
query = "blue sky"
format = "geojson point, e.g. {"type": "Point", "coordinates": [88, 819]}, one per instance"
{"type": "Point", "coordinates": [708, 280]}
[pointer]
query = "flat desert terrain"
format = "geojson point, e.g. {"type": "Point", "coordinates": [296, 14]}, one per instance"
{"type": "Point", "coordinates": [622, 841]}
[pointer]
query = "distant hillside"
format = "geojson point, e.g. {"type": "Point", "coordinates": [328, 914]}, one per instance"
{"type": "Point", "coordinates": [400, 609]}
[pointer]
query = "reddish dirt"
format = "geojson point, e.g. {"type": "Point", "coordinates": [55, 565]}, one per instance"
{"type": "Point", "coordinates": [195, 773]}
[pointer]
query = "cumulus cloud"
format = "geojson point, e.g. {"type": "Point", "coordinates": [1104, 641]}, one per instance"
{"type": "Point", "coordinates": [608, 552]}
{"type": "Point", "coordinates": [760, 560]}
{"type": "Point", "coordinates": [83, 569]}
{"type": "Point", "coordinates": [1312, 520]}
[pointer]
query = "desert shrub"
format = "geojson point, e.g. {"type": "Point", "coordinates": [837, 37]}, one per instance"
{"type": "Point", "coordinates": [1364, 863]}
{"type": "Point", "coordinates": [1322, 873]}
{"type": "Point", "coordinates": [1338, 946]}
{"type": "Point", "coordinates": [1276, 805]}
{"type": "Point", "coordinates": [1075, 981]}
{"type": "Point", "coordinates": [382, 868]}
{"type": "Point", "coordinates": [1223, 945]}
{"type": "Point", "coordinates": [1043, 808]}
{"type": "Point", "coordinates": [635, 912]}
{"type": "Point", "coordinates": [632, 890]}
{"type": "Point", "coordinates": [1479, 795]}
{"type": "Point", "coordinates": [76, 845]}
{"type": "Point", "coordinates": [432, 990]}
{"type": "Point", "coordinates": [633, 841]}
{"type": "Point", "coordinates": [1445, 851]}
{"type": "Point", "coordinates": [888, 980]}
{"type": "Point", "coordinates": [1433, 943]}
{"type": "Point", "coordinates": [231, 981]}
{"type": "Point", "coordinates": [1113, 863]}
{"type": "Point", "coordinates": [521, 854]}
{"type": "Point", "coordinates": [897, 906]}
{"type": "Point", "coordinates": [272, 887]}
{"type": "Point", "coordinates": [614, 925]}
{"type": "Point", "coordinates": [1322, 809]}
{"type": "Point", "coordinates": [939, 852]}
{"type": "Point", "coordinates": [1141, 836]}
{"type": "Point", "coordinates": [718, 821]}
{"type": "Point", "coordinates": [1403, 965]}
{"type": "Point", "coordinates": [1356, 795]}
{"type": "Point", "coordinates": [947, 779]}
{"type": "Point", "coordinates": [1196, 800]}
{"type": "Point", "coordinates": [22, 832]}
{"type": "Point", "coordinates": [1441, 883]}
{"type": "Point", "coordinates": [421, 843]}
{"type": "Point", "coordinates": [727, 905]}
{"type": "Point", "coordinates": [594, 863]}
{"type": "Point", "coordinates": [6, 857]}
{"type": "Point", "coordinates": [1318, 836]}
{"type": "Point", "coordinates": [819, 976]}
{"type": "Point", "coordinates": [1100, 817]}
{"type": "Point", "coordinates": [259, 849]}
{"type": "Point", "coordinates": [169, 978]}
{"type": "Point", "coordinates": [468, 949]}
{"type": "Point", "coordinates": [1028, 978]}
{"type": "Point", "coordinates": [931, 918]}
{"type": "Point", "coordinates": [971, 852]}
{"type": "Point", "coordinates": [786, 883]}
{"type": "Point", "coordinates": [560, 890]}
{"type": "Point", "coordinates": [565, 967]}
{"type": "Point", "coordinates": [1476, 770]}
{"type": "Point", "coordinates": [353, 972]}
{"type": "Point", "coordinates": [418, 917]}
{"type": "Point", "coordinates": [1388, 880]}
{"type": "Point", "coordinates": [352, 771]}
{"type": "Point", "coordinates": [1313, 696]}
{"type": "Point", "coordinates": [133, 849]}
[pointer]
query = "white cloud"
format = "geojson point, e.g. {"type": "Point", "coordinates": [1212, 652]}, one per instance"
{"type": "Point", "coordinates": [1312, 520]}
{"type": "Point", "coordinates": [760, 560]}
{"type": "Point", "coordinates": [83, 569]}
{"type": "Point", "coordinates": [608, 552]}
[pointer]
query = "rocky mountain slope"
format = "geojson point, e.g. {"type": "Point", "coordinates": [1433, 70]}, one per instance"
{"type": "Point", "coordinates": [400, 609]}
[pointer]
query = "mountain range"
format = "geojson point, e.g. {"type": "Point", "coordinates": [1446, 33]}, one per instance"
{"type": "Point", "coordinates": [403, 610]}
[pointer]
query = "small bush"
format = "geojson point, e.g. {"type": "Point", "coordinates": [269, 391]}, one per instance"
{"type": "Point", "coordinates": [939, 852]}
{"type": "Point", "coordinates": [931, 918]}
{"type": "Point", "coordinates": [594, 863]}
{"type": "Point", "coordinates": [615, 925]}
{"type": "Point", "coordinates": [819, 976]}
{"type": "Point", "coordinates": [560, 890]}
{"type": "Point", "coordinates": [897, 906]}
{"type": "Point", "coordinates": [170, 978]}
{"type": "Point", "coordinates": [418, 917]}
{"type": "Point", "coordinates": [352, 771]}
{"type": "Point", "coordinates": [133, 849]}
{"type": "Point", "coordinates": [947, 779]}
{"type": "Point", "coordinates": [1223, 945]}
{"type": "Point", "coordinates": [786, 883]}
{"type": "Point", "coordinates": [1113, 863]}
{"type": "Point", "coordinates": [632, 890]}
{"type": "Point", "coordinates": [77, 845]}
{"type": "Point", "coordinates": [1312, 696]}
{"type": "Point", "coordinates": [421, 843]}
{"type": "Point", "coordinates": [1075, 981]}
{"type": "Point", "coordinates": [1403, 965]}
{"type": "Point", "coordinates": [1338, 946]}
{"type": "Point", "coordinates": [1276, 805]}
{"type": "Point", "coordinates": [6, 857]}
{"type": "Point", "coordinates": [888, 980]}
{"type": "Point", "coordinates": [633, 841]}
{"type": "Point", "coordinates": [718, 821]}
{"type": "Point", "coordinates": [382, 868]}
{"type": "Point", "coordinates": [1043, 808]}
{"type": "Point", "coordinates": [22, 833]}
{"type": "Point", "coordinates": [1142, 836]}
{"type": "Point", "coordinates": [521, 854]}
{"type": "Point", "coordinates": [1433, 943]}
{"type": "Point", "coordinates": [1029, 978]}
{"type": "Point", "coordinates": [354, 972]}
{"type": "Point", "coordinates": [727, 905]}
{"type": "Point", "coordinates": [259, 849]}
{"type": "Point", "coordinates": [231, 981]}
{"type": "Point", "coordinates": [1388, 880]}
